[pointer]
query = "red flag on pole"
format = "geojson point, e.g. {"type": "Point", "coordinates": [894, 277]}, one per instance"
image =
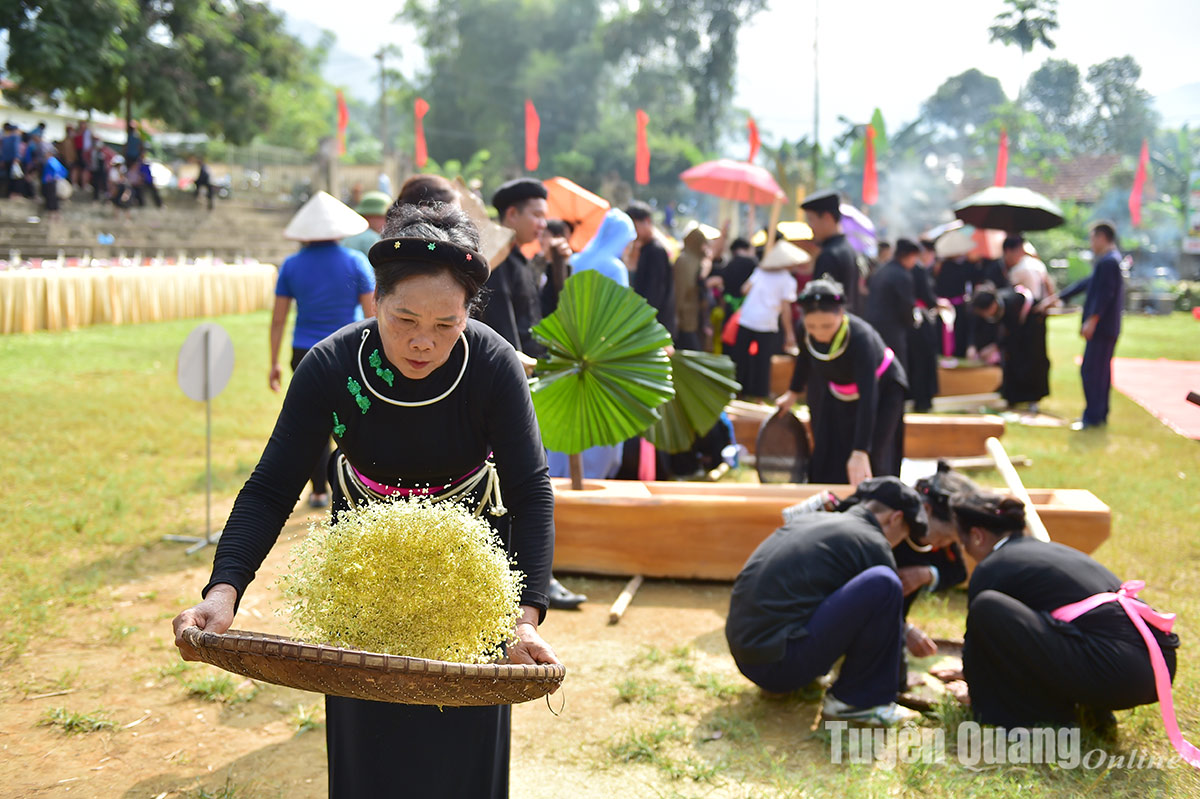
{"type": "Point", "coordinates": [870, 187]}
{"type": "Point", "coordinates": [641, 173]}
{"type": "Point", "coordinates": [532, 126]}
{"type": "Point", "coordinates": [343, 120]}
{"type": "Point", "coordinates": [755, 142]}
{"type": "Point", "coordinates": [1002, 161]}
{"type": "Point", "coordinates": [420, 108]}
{"type": "Point", "coordinates": [1139, 183]}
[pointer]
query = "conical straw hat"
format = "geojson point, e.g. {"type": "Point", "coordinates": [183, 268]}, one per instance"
{"type": "Point", "coordinates": [324, 218]}
{"type": "Point", "coordinates": [784, 255]}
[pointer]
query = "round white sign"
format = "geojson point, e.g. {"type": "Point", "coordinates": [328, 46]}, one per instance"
{"type": "Point", "coordinates": [208, 345]}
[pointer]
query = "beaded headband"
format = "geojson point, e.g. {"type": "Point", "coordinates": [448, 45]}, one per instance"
{"type": "Point", "coordinates": [388, 251]}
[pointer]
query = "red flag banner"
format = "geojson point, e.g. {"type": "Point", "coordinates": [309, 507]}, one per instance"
{"type": "Point", "coordinates": [1139, 184]}
{"type": "Point", "coordinates": [1002, 161]}
{"type": "Point", "coordinates": [420, 109]}
{"type": "Point", "coordinates": [533, 126]}
{"type": "Point", "coordinates": [641, 172]}
{"type": "Point", "coordinates": [870, 187]}
{"type": "Point", "coordinates": [343, 120]}
{"type": "Point", "coordinates": [755, 141]}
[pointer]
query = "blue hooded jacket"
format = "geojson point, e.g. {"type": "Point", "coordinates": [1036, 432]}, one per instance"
{"type": "Point", "coordinates": [603, 252]}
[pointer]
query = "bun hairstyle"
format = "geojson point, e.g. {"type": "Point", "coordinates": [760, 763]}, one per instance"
{"type": "Point", "coordinates": [990, 511]}
{"type": "Point", "coordinates": [937, 489]}
{"type": "Point", "coordinates": [432, 222]}
{"type": "Point", "coordinates": [983, 297]}
{"type": "Point", "coordinates": [822, 294]}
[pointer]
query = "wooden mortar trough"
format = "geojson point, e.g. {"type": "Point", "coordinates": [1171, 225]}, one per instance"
{"type": "Point", "coordinates": [706, 531]}
{"type": "Point", "coordinates": [925, 435]}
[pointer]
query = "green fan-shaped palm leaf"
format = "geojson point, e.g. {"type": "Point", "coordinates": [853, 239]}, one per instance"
{"type": "Point", "coordinates": [703, 385]}
{"type": "Point", "coordinates": [606, 371]}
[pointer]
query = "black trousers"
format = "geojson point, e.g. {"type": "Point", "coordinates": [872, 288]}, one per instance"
{"type": "Point", "coordinates": [754, 370]}
{"type": "Point", "coordinates": [1025, 668]}
{"type": "Point", "coordinates": [320, 484]}
{"type": "Point", "coordinates": [923, 346]}
{"type": "Point", "coordinates": [1096, 372]}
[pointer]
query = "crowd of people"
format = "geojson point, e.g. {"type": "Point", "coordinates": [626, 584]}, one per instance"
{"type": "Point", "coordinates": [49, 172]}
{"type": "Point", "coordinates": [419, 385]}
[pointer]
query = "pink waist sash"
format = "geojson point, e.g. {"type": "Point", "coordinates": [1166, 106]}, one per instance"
{"type": "Point", "coordinates": [1140, 613]}
{"type": "Point", "coordinates": [393, 491]}
{"type": "Point", "coordinates": [849, 391]}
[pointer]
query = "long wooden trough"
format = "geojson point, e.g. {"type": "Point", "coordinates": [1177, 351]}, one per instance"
{"type": "Point", "coordinates": [925, 435]}
{"type": "Point", "coordinates": [964, 378]}
{"type": "Point", "coordinates": [706, 531]}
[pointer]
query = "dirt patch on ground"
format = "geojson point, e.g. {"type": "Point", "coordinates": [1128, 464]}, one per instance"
{"type": "Point", "coordinates": [652, 706]}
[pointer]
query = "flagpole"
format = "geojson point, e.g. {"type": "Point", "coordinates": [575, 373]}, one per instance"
{"type": "Point", "coordinates": [816, 146]}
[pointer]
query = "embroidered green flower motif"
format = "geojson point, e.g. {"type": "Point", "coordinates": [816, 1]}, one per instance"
{"type": "Point", "coordinates": [339, 429]}
{"type": "Point", "coordinates": [355, 390]}
{"type": "Point", "coordinates": [384, 374]}
{"type": "Point", "coordinates": [432, 246]}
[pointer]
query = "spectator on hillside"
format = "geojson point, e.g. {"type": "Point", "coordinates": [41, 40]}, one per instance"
{"type": "Point", "coordinates": [10, 152]}
{"type": "Point", "coordinates": [133, 145]}
{"type": "Point", "coordinates": [52, 172]}
{"type": "Point", "coordinates": [81, 166]}
{"type": "Point", "coordinates": [204, 182]}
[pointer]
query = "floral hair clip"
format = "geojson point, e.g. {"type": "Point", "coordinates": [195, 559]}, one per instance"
{"type": "Point", "coordinates": [377, 364]}
{"type": "Point", "coordinates": [360, 399]}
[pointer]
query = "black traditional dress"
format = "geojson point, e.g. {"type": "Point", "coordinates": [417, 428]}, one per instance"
{"type": "Point", "coordinates": [472, 410]}
{"type": "Point", "coordinates": [855, 396]}
{"type": "Point", "coordinates": [890, 300]}
{"type": "Point", "coordinates": [1022, 333]}
{"type": "Point", "coordinates": [1024, 666]}
{"type": "Point", "coordinates": [954, 279]}
{"type": "Point", "coordinates": [924, 342]}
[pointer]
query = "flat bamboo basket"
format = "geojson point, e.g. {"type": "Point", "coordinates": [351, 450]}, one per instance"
{"type": "Point", "coordinates": [369, 675]}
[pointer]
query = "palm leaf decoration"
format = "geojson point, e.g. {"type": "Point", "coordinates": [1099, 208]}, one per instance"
{"type": "Point", "coordinates": [703, 385]}
{"type": "Point", "coordinates": [606, 371]}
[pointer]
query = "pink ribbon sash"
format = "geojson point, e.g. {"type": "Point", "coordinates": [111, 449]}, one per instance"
{"type": "Point", "coordinates": [1140, 613]}
{"type": "Point", "coordinates": [849, 391]}
{"type": "Point", "coordinates": [393, 491]}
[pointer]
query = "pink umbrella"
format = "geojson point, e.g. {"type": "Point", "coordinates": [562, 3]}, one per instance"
{"type": "Point", "coordinates": [734, 180]}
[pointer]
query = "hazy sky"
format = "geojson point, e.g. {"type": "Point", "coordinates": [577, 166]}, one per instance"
{"type": "Point", "coordinates": [872, 53]}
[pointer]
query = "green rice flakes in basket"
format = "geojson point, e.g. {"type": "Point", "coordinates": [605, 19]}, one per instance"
{"type": "Point", "coordinates": [405, 577]}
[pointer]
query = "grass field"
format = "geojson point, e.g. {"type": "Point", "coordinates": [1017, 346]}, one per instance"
{"type": "Point", "coordinates": [106, 455]}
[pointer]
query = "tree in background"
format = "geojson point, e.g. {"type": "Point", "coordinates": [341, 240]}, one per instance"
{"type": "Point", "coordinates": [1026, 24]}
{"type": "Point", "coordinates": [1055, 93]}
{"type": "Point", "coordinates": [200, 66]}
{"type": "Point", "coordinates": [1122, 113]}
{"type": "Point", "coordinates": [962, 105]}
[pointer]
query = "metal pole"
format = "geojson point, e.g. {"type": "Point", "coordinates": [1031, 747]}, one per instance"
{"type": "Point", "coordinates": [207, 444]}
{"type": "Point", "coordinates": [816, 142]}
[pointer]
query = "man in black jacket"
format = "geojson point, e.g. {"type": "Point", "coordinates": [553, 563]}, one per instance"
{"type": "Point", "coordinates": [825, 586]}
{"type": "Point", "coordinates": [654, 278]}
{"type": "Point", "coordinates": [838, 259]}
{"type": "Point", "coordinates": [513, 306]}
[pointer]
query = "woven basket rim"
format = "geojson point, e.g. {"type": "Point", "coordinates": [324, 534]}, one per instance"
{"type": "Point", "coordinates": [289, 649]}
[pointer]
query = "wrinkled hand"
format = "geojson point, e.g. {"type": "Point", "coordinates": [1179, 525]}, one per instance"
{"type": "Point", "coordinates": [919, 644]}
{"type": "Point", "coordinates": [214, 614]}
{"type": "Point", "coordinates": [913, 577]}
{"type": "Point", "coordinates": [275, 378]}
{"type": "Point", "coordinates": [530, 648]}
{"type": "Point", "coordinates": [858, 467]}
{"type": "Point", "coordinates": [960, 691]}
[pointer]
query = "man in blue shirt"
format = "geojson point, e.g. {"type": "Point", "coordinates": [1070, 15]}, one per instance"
{"type": "Point", "coordinates": [330, 283]}
{"type": "Point", "coordinates": [1105, 289]}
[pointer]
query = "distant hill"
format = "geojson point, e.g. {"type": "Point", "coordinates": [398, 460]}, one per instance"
{"type": "Point", "coordinates": [356, 73]}
{"type": "Point", "coordinates": [1179, 106]}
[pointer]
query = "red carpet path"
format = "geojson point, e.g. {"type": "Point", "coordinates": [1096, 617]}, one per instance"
{"type": "Point", "coordinates": [1161, 387]}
